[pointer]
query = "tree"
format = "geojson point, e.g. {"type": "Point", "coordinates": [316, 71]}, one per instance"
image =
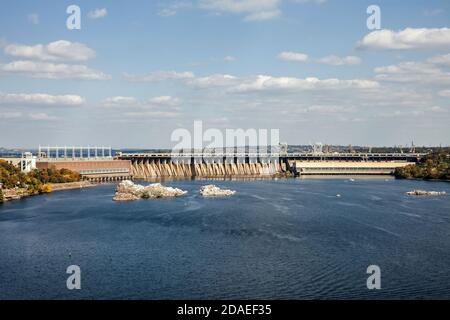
{"type": "Point", "coordinates": [46, 188]}
{"type": "Point", "coordinates": [434, 166]}
{"type": "Point", "coordinates": [36, 181]}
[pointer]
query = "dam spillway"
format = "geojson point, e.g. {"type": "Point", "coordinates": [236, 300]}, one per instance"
{"type": "Point", "coordinates": [159, 165]}
{"type": "Point", "coordinates": [146, 168]}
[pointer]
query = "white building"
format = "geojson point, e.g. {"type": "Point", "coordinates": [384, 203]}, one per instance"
{"type": "Point", "coordinates": [28, 162]}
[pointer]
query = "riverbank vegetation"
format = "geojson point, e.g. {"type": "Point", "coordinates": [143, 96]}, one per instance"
{"type": "Point", "coordinates": [35, 182]}
{"type": "Point", "coordinates": [435, 166]}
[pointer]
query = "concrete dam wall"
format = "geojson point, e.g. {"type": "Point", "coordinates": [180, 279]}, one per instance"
{"type": "Point", "coordinates": [157, 165]}
{"type": "Point", "coordinates": [144, 169]}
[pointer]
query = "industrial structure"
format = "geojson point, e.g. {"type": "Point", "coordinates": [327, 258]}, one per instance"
{"type": "Point", "coordinates": [100, 165]}
{"type": "Point", "coordinates": [153, 165]}
{"type": "Point", "coordinates": [93, 163]}
{"type": "Point", "coordinates": [74, 152]}
{"type": "Point", "coordinates": [26, 162]}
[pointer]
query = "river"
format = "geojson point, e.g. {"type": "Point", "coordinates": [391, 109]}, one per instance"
{"type": "Point", "coordinates": [274, 239]}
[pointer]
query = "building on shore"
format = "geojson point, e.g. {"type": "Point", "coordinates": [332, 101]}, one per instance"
{"type": "Point", "coordinates": [93, 163]}
{"type": "Point", "coordinates": [99, 170]}
{"type": "Point", "coordinates": [26, 163]}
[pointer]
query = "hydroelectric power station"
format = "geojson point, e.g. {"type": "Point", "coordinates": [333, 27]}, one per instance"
{"type": "Point", "coordinates": [100, 165]}
{"type": "Point", "coordinates": [156, 165]}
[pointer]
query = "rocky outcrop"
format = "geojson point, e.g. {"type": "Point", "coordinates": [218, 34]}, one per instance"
{"type": "Point", "coordinates": [14, 194]}
{"type": "Point", "coordinates": [214, 191]}
{"type": "Point", "coordinates": [129, 191]}
{"type": "Point", "coordinates": [121, 196]}
{"type": "Point", "coordinates": [426, 193]}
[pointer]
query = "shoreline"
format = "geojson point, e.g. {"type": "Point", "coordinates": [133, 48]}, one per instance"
{"type": "Point", "coordinates": [17, 194]}
{"type": "Point", "coordinates": [422, 179]}
{"type": "Point", "coordinates": [72, 185]}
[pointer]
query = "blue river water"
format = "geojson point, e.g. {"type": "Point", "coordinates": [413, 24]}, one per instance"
{"type": "Point", "coordinates": [275, 239]}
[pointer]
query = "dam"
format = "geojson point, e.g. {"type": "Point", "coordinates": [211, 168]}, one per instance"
{"type": "Point", "coordinates": [186, 165]}
{"type": "Point", "coordinates": [148, 165]}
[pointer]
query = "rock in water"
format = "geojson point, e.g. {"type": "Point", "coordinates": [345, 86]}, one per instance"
{"type": "Point", "coordinates": [214, 191]}
{"type": "Point", "coordinates": [129, 191]}
{"type": "Point", "coordinates": [426, 193]}
{"type": "Point", "coordinates": [157, 190]}
{"type": "Point", "coordinates": [119, 196]}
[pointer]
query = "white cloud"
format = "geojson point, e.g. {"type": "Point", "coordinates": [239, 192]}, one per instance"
{"type": "Point", "coordinates": [266, 83]}
{"type": "Point", "coordinates": [251, 10]}
{"type": "Point", "coordinates": [40, 99]}
{"type": "Point", "coordinates": [440, 60]}
{"type": "Point", "coordinates": [33, 18]}
{"type": "Point", "coordinates": [429, 71]}
{"type": "Point", "coordinates": [119, 101]}
{"type": "Point", "coordinates": [164, 101]}
{"type": "Point", "coordinates": [330, 60]}
{"type": "Point", "coordinates": [239, 6]}
{"type": "Point", "coordinates": [160, 76]}
{"type": "Point", "coordinates": [254, 10]}
{"type": "Point", "coordinates": [328, 109]}
{"type": "Point", "coordinates": [46, 70]}
{"type": "Point", "coordinates": [293, 56]}
{"type": "Point", "coordinates": [433, 12]}
{"type": "Point", "coordinates": [438, 109]}
{"type": "Point", "coordinates": [61, 50]}
{"type": "Point", "coordinates": [444, 93]}
{"type": "Point", "coordinates": [310, 1]}
{"type": "Point", "coordinates": [215, 80]}
{"type": "Point", "coordinates": [409, 38]}
{"type": "Point", "coordinates": [160, 101]}
{"type": "Point", "coordinates": [324, 109]}
{"type": "Point", "coordinates": [152, 114]}
{"type": "Point", "coordinates": [98, 13]}
{"type": "Point", "coordinates": [42, 117]}
{"type": "Point", "coordinates": [232, 83]}
{"type": "Point", "coordinates": [340, 61]}
{"type": "Point", "coordinates": [263, 15]}
{"type": "Point", "coordinates": [10, 115]}
{"type": "Point", "coordinates": [188, 78]}
{"type": "Point", "coordinates": [167, 12]}
{"type": "Point", "coordinates": [229, 59]}
{"type": "Point", "coordinates": [173, 8]}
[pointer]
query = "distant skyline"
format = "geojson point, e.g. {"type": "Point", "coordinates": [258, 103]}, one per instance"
{"type": "Point", "coordinates": [311, 68]}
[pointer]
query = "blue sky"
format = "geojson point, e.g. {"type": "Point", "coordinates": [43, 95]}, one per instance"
{"type": "Point", "coordinates": [311, 68]}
